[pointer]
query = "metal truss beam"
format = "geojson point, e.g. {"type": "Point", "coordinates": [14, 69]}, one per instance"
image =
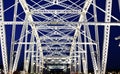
{"type": "Point", "coordinates": [30, 19]}
{"type": "Point", "coordinates": [106, 35]}
{"type": "Point", "coordinates": [48, 34]}
{"type": "Point", "coordinates": [97, 36]}
{"type": "Point", "coordinates": [17, 56]}
{"type": "Point", "coordinates": [13, 37]}
{"type": "Point", "coordinates": [81, 19]}
{"type": "Point", "coordinates": [56, 11]}
{"type": "Point", "coordinates": [3, 39]}
{"type": "Point", "coordinates": [88, 43]}
{"type": "Point", "coordinates": [92, 52]}
{"type": "Point", "coordinates": [71, 23]}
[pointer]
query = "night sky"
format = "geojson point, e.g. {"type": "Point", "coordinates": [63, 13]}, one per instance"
{"type": "Point", "coordinates": [114, 49]}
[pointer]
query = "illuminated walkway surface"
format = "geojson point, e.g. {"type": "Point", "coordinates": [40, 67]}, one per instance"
{"type": "Point", "coordinates": [60, 36]}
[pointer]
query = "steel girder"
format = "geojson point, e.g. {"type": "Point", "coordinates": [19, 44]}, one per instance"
{"type": "Point", "coordinates": [51, 39]}
{"type": "Point", "coordinates": [3, 39]}
{"type": "Point", "coordinates": [106, 35]}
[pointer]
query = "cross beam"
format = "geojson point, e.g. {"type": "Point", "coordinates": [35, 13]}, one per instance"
{"type": "Point", "coordinates": [42, 23]}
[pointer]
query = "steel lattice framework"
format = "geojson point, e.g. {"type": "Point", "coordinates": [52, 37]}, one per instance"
{"type": "Point", "coordinates": [56, 34]}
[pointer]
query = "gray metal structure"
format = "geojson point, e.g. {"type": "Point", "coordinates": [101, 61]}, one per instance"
{"type": "Point", "coordinates": [57, 40]}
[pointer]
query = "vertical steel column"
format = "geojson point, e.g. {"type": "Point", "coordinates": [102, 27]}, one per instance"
{"type": "Point", "coordinates": [82, 16]}
{"type": "Point", "coordinates": [26, 61]}
{"type": "Point", "coordinates": [36, 56]}
{"type": "Point", "coordinates": [92, 52]}
{"type": "Point", "coordinates": [106, 35]}
{"type": "Point", "coordinates": [29, 15]}
{"type": "Point", "coordinates": [32, 54]}
{"type": "Point", "coordinates": [13, 37]}
{"type": "Point", "coordinates": [75, 59]}
{"type": "Point", "coordinates": [96, 37]}
{"type": "Point", "coordinates": [85, 54]}
{"type": "Point", "coordinates": [79, 64]}
{"type": "Point", "coordinates": [3, 39]}
{"type": "Point", "coordinates": [80, 55]}
{"type": "Point", "coordinates": [84, 63]}
{"type": "Point", "coordinates": [19, 48]}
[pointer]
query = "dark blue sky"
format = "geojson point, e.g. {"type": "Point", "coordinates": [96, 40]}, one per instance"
{"type": "Point", "coordinates": [114, 50]}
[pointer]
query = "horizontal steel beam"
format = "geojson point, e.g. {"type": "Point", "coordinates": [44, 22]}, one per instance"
{"type": "Point", "coordinates": [88, 43]}
{"type": "Point", "coordinates": [54, 27]}
{"type": "Point", "coordinates": [55, 11]}
{"type": "Point", "coordinates": [88, 23]}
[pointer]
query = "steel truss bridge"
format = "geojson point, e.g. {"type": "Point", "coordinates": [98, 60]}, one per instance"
{"type": "Point", "coordinates": [55, 32]}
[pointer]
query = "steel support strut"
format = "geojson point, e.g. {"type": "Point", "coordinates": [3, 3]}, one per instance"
{"type": "Point", "coordinates": [3, 39]}
{"type": "Point", "coordinates": [96, 36]}
{"type": "Point", "coordinates": [106, 35]}
{"type": "Point", "coordinates": [13, 38]}
{"type": "Point", "coordinates": [44, 35]}
{"type": "Point", "coordinates": [30, 19]}
{"type": "Point", "coordinates": [17, 56]}
{"type": "Point", "coordinates": [82, 16]}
